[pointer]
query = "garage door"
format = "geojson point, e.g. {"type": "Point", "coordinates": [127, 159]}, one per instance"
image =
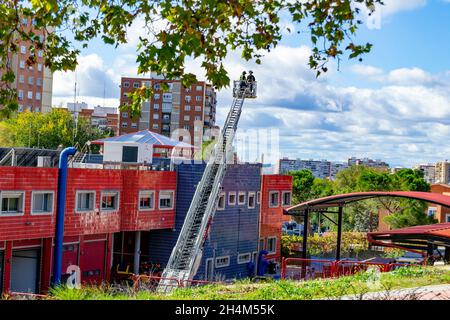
{"type": "Point", "coordinates": [92, 262]}
{"type": "Point", "coordinates": [25, 270]}
{"type": "Point", "coordinates": [69, 258]}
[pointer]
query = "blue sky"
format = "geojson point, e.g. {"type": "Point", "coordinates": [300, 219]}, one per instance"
{"type": "Point", "coordinates": [395, 105]}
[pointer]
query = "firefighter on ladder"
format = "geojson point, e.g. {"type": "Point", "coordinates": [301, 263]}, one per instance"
{"type": "Point", "coordinates": [250, 81]}
{"type": "Point", "coordinates": [243, 79]}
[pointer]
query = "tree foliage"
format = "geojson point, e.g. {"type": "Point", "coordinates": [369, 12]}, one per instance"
{"type": "Point", "coordinates": [177, 30]}
{"type": "Point", "coordinates": [362, 216]}
{"type": "Point", "coordinates": [47, 130]}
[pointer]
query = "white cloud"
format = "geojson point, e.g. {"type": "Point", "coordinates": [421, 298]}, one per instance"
{"type": "Point", "coordinates": [388, 9]}
{"type": "Point", "coordinates": [403, 120]}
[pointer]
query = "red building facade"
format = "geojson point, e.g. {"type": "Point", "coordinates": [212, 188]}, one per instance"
{"type": "Point", "coordinates": [99, 203]}
{"type": "Point", "coordinates": [276, 194]}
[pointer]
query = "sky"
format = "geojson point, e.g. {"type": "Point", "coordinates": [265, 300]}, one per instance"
{"type": "Point", "coordinates": [394, 105]}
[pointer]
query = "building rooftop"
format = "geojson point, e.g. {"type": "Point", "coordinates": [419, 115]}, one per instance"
{"type": "Point", "coordinates": [147, 137]}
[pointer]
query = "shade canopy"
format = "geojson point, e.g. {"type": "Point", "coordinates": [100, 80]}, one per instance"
{"type": "Point", "coordinates": [341, 200]}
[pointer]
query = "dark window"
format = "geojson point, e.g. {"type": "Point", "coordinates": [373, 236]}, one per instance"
{"type": "Point", "coordinates": [129, 154]}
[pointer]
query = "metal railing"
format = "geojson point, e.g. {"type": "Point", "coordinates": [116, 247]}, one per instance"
{"type": "Point", "coordinates": [307, 269]}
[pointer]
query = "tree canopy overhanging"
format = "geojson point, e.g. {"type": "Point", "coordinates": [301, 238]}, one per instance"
{"type": "Point", "coordinates": [175, 31]}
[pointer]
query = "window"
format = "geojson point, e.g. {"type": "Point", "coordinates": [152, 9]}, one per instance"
{"type": "Point", "coordinates": [157, 86]}
{"type": "Point", "coordinates": [23, 49]}
{"type": "Point", "coordinates": [286, 198]}
{"type": "Point", "coordinates": [155, 126]}
{"type": "Point", "coordinates": [273, 199]}
{"type": "Point", "coordinates": [39, 66]}
{"type": "Point", "coordinates": [21, 78]}
{"type": "Point", "coordinates": [155, 116]}
{"type": "Point", "coordinates": [30, 95]}
{"type": "Point", "coordinates": [146, 200]}
{"type": "Point", "coordinates": [198, 108]}
{"type": "Point", "coordinates": [25, 21]}
{"type": "Point", "coordinates": [222, 261]}
{"type": "Point", "coordinates": [244, 258]}
{"type": "Point", "coordinates": [22, 64]}
{"type": "Point", "coordinates": [126, 84]}
{"type": "Point", "coordinates": [262, 243]}
{"type": "Point", "coordinates": [198, 118]}
{"type": "Point", "coordinates": [231, 198]}
{"type": "Point", "coordinates": [221, 202]}
{"type": "Point", "coordinates": [187, 98]}
{"type": "Point", "coordinates": [432, 211]}
{"type": "Point", "coordinates": [167, 97]}
{"type": "Point", "coordinates": [136, 85]}
{"type": "Point", "coordinates": [124, 125]}
{"type": "Point", "coordinates": [241, 198]}
{"type": "Point", "coordinates": [85, 201]}
{"type": "Point", "coordinates": [199, 88]}
{"type": "Point", "coordinates": [38, 82]}
{"type": "Point", "coordinates": [166, 200]}
{"type": "Point", "coordinates": [447, 217]}
{"type": "Point", "coordinates": [156, 96]}
{"type": "Point", "coordinates": [187, 108]}
{"type": "Point", "coordinates": [198, 98]}
{"type": "Point", "coordinates": [272, 244]}
{"type": "Point", "coordinates": [156, 106]}
{"type": "Point", "coordinates": [12, 202]}
{"type": "Point", "coordinates": [110, 200]}
{"type": "Point", "coordinates": [42, 202]}
{"type": "Point", "coordinates": [251, 200]}
{"type": "Point", "coordinates": [187, 118]}
{"type": "Point", "coordinates": [20, 94]}
{"type": "Point", "coordinates": [134, 125]}
{"type": "Point", "coordinates": [258, 197]}
{"type": "Point", "coordinates": [124, 114]}
{"type": "Point", "coordinates": [30, 80]}
{"type": "Point", "coordinates": [38, 96]}
{"type": "Point", "coordinates": [40, 53]}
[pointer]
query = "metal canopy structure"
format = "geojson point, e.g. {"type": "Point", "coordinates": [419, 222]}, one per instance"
{"type": "Point", "coordinates": [322, 205]}
{"type": "Point", "coordinates": [417, 239]}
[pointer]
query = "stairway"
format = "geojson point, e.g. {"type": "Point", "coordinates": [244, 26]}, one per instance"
{"type": "Point", "coordinates": [186, 255]}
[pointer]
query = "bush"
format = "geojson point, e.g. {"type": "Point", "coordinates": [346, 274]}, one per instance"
{"type": "Point", "coordinates": [351, 242]}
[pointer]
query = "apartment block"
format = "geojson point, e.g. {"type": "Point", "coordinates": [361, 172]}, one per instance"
{"type": "Point", "coordinates": [442, 172]}
{"type": "Point", "coordinates": [104, 118]}
{"type": "Point", "coordinates": [319, 168]}
{"type": "Point", "coordinates": [188, 114]}
{"type": "Point", "coordinates": [353, 161]}
{"type": "Point", "coordinates": [429, 171]}
{"type": "Point", "coordinates": [34, 83]}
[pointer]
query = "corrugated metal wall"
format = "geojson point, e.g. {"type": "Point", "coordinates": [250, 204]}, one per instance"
{"type": "Point", "coordinates": [234, 230]}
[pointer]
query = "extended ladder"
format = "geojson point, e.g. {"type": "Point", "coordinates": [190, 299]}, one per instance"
{"type": "Point", "coordinates": [187, 253]}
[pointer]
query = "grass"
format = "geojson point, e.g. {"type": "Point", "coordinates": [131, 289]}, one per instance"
{"type": "Point", "coordinates": [358, 284]}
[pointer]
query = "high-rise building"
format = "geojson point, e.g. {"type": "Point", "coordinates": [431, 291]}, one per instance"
{"type": "Point", "coordinates": [442, 172]}
{"type": "Point", "coordinates": [33, 83]}
{"type": "Point", "coordinates": [180, 112]}
{"type": "Point", "coordinates": [429, 171]}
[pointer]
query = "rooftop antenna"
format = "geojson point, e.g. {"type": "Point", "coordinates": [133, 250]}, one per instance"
{"type": "Point", "coordinates": [75, 109]}
{"type": "Point", "coordinates": [104, 92]}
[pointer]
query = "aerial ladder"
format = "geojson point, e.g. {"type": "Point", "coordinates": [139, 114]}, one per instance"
{"type": "Point", "coordinates": [187, 253]}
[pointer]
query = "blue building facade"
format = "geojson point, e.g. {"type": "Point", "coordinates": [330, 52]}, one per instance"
{"type": "Point", "coordinates": [232, 242]}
